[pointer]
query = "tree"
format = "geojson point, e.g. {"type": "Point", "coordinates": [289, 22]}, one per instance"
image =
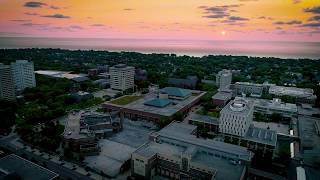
{"type": "Point", "coordinates": [178, 116]}
{"type": "Point", "coordinates": [276, 117]}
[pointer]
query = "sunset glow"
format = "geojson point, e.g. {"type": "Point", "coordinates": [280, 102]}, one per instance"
{"type": "Point", "coordinates": [253, 20]}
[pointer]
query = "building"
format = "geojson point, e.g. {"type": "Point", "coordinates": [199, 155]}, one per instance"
{"type": "Point", "coordinates": [236, 117]}
{"type": "Point", "coordinates": [221, 98]}
{"type": "Point", "coordinates": [252, 89]}
{"type": "Point", "coordinates": [122, 77]}
{"type": "Point", "coordinates": [78, 141]}
{"type": "Point", "coordinates": [7, 88]}
{"type": "Point", "coordinates": [176, 153]}
{"type": "Point", "coordinates": [302, 95]}
{"type": "Point", "coordinates": [23, 73]}
{"type": "Point", "coordinates": [78, 78]}
{"type": "Point", "coordinates": [207, 122]}
{"type": "Point", "coordinates": [235, 124]}
{"type": "Point", "coordinates": [275, 106]}
{"type": "Point", "coordinates": [15, 167]}
{"type": "Point", "coordinates": [102, 68]}
{"type": "Point", "coordinates": [100, 124]}
{"type": "Point", "coordinates": [156, 105]}
{"type": "Point", "coordinates": [223, 79]}
{"type": "Point", "coordinates": [81, 96]}
{"type": "Point", "coordinates": [189, 83]}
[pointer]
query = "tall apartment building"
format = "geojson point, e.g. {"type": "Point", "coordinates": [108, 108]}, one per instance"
{"type": "Point", "coordinates": [121, 77]}
{"type": "Point", "coordinates": [23, 73]}
{"type": "Point", "coordinates": [223, 79]}
{"type": "Point", "coordinates": [236, 117]}
{"type": "Point", "coordinates": [7, 89]}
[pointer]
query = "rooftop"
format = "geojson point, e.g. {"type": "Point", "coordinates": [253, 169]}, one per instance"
{"type": "Point", "coordinates": [276, 104]}
{"type": "Point", "coordinates": [124, 100]}
{"type": "Point", "coordinates": [182, 132]}
{"type": "Point", "coordinates": [178, 92]}
{"type": "Point", "coordinates": [121, 66]}
{"type": "Point", "coordinates": [169, 110]}
{"type": "Point", "coordinates": [238, 106]}
{"type": "Point", "coordinates": [222, 95]}
{"type": "Point", "coordinates": [72, 127]}
{"type": "Point", "coordinates": [25, 169]}
{"type": "Point", "coordinates": [63, 74]}
{"type": "Point", "coordinates": [204, 119]}
{"type": "Point", "coordinates": [291, 91]}
{"type": "Point", "coordinates": [261, 135]}
{"type": "Point", "coordinates": [158, 102]}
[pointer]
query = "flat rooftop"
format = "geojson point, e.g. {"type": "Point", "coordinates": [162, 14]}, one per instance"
{"type": "Point", "coordinates": [222, 95]}
{"type": "Point", "coordinates": [169, 110]}
{"type": "Point", "coordinates": [218, 166]}
{"type": "Point", "coordinates": [204, 119]}
{"type": "Point", "coordinates": [60, 74]}
{"type": "Point", "coordinates": [292, 91]}
{"type": "Point", "coordinates": [72, 127]}
{"type": "Point", "coordinates": [276, 104]}
{"type": "Point", "coordinates": [278, 127]}
{"type": "Point", "coordinates": [238, 106]}
{"type": "Point", "coordinates": [27, 170]}
{"type": "Point", "coordinates": [261, 135]}
{"type": "Point", "coordinates": [182, 132]}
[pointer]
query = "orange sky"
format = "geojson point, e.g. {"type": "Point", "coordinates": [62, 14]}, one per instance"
{"type": "Point", "coordinates": [257, 20]}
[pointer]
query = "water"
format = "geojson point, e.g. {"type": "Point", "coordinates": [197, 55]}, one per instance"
{"type": "Point", "coordinates": [294, 50]}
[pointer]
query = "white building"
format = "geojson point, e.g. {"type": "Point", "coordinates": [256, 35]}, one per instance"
{"type": "Point", "coordinates": [275, 106]}
{"type": "Point", "coordinates": [7, 90]}
{"type": "Point", "coordinates": [302, 95]}
{"type": "Point", "coordinates": [236, 117]}
{"type": "Point", "coordinates": [121, 77]}
{"type": "Point", "coordinates": [23, 73]}
{"type": "Point", "coordinates": [223, 79]}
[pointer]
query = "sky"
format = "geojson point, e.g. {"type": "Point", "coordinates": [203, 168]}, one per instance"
{"type": "Point", "coordinates": [243, 20]}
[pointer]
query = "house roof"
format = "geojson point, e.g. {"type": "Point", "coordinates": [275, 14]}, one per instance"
{"type": "Point", "coordinates": [158, 102]}
{"type": "Point", "coordinates": [173, 91]}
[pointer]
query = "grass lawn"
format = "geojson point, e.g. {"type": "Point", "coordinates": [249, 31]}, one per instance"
{"type": "Point", "coordinates": [124, 100]}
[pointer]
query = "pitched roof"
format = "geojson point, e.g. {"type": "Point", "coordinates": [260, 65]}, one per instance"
{"type": "Point", "coordinates": [158, 102]}
{"type": "Point", "coordinates": [173, 91]}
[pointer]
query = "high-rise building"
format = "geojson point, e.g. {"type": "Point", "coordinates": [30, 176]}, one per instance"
{"type": "Point", "coordinates": [223, 79]}
{"type": "Point", "coordinates": [121, 77]}
{"type": "Point", "coordinates": [23, 73]}
{"type": "Point", "coordinates": [7, 90]}
{"type": "Point", "coordinates": [236, 117]}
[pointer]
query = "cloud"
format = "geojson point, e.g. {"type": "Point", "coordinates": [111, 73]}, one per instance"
{"type": "Point", "coordinates": [237, 18]}
{"type": "Point", "coordinates": [33, 24]}
{"type": "Point", "coordinates": [31, 14]}
{"type": "Point", "coordinates": [279, 28]}
{"type": "Point", "coordinates": [76, 27]}
{"type": "Point", "coordinates": [312, 25]}
{"type": "Point", "coordinates": [34, 4]}
{"type": "Point", "coordinates": [247, 0]}
{"type": "Point", "coordinates": [97, 25]}
{"type": "Point", "coordinates": [59, 16]}
{"type": "Point", "coordinates": [265, 17]}
{"type": "Point", "coordinates": [21, 20]}
{"type": "Point", "coordinates": [314, 18]}
{"type": "Point", "coordinates": [54, 7]}
{"type": "Point", "coordinates": [296, 1]}
{"type": "Point", "coordinates": [314, 10]}
{"type": "Point", "coordinates": [292, 22]}
{"type": "Point", "coordinates": [128, 9]}
{"type": "Point", "coordinates": [218, 12]}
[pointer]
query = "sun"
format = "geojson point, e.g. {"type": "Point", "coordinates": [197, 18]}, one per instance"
{"type": "Point", "coordinates": [223, 33]}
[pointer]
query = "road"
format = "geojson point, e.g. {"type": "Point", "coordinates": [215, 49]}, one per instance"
{"type": "Point", "coordinates": [63, 172]}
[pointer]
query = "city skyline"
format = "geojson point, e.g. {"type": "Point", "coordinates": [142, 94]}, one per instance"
{"type": "Point", "coordinates": [243, 20]}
